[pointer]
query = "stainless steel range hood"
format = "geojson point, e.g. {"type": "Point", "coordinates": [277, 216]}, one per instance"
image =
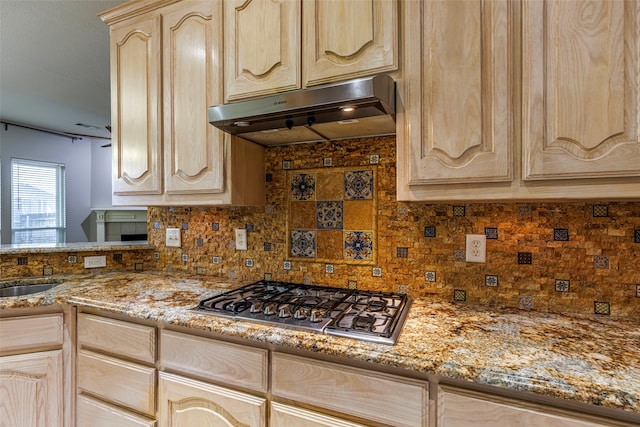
{"type": "Point", "coordinates": [356, 108]}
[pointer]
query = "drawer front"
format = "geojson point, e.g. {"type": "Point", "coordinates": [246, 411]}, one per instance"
{"type": "Point", "coordinates": [287, 416]}
{"type": "Point", "coordinates": [31, 332]}
{"type": "Point", "coordinates": [115, 336]}
{"type": "Point", "coordinates": [93, 413]}
{"type": "Point", "coordinates": [379, 397]}
{"type": "Point", "coordinates": [124, 383]}
{"type": "Point", "coordinates": [228, 363]}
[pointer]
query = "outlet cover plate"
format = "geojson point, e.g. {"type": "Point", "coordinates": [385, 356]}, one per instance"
{"type": "Point", "coordinates": [95, 261]}
{"type": "Point", "coordinates": [476, 248]}
{"type": "Point", "coordinates": [173, 238]}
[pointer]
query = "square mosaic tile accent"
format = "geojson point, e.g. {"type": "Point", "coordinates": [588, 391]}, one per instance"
{"type": "Point", "coordinates": [430, 231]}
{"type": "Point", "coordinates": [562, 285]}
{"type": "Point", "coordinates": [332, 215]}
{"type": "Point", "coordinates": [402, 252]}
{"type": "Point", "coordinates": [430, 276]}
{"type": "Point", "coordinates": [215, 226]}
{"type": "Point", "coordinates": [286, 265]}
{"type": "Point", "coordinates": [268, 276]}
{"type": "Point", "coordinates": [156, 225]}
{"type": "Point", "coordinates": [525, 258]}
{"type": "Point", "coordinates": [526, 302]}
{"type": "Point", "coordinates": [376, 272]}
{"type": "Point", "coordinates": [561, 234]}
{"type": "Point", "coordinates": [637, 291]}
{"type": "Point", "coordinates": [185, 257]}
{"type": "Point", "coordinates": [600, 261]}
{"type": "Point", "coordinates": [328, 161]}
{"type": "Point", "coordinates": [352, 284]}
{"type": "Point", "coordinates": [47, 271]}
{"type": "Point", "coordinates": [248, 262]}
{"type": "Point", "coordinates": [459, 255]}
{"type": "Point", "coordinates": [215, 260]}
{"type": "Point", "coordinates": [23, 260]}
{"type": "Point", "coordinates": [328, 268]}
{"type": "Point", "coordinates": [600, 211]}
{"type": "Point", "coordinates": [459, 211]}
{"type": "Point", "coordinates": [491, 233]}
{"type": "Point", "coordinates": [636, 236]}
{"type": "Point", "coordinates": [459, 295]}
{"type": "Point", "coordinates": [601, 307]}
{"type": "Point", "coordinates": [268, 246]}
{"type": "Point", "coordinates": [491, 280]}
{"type": "Point", "coordinates": [374, 159]}
{"type": "Point", "coordinates": [524, 211]}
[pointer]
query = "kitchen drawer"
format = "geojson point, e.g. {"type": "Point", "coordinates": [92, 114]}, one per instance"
{"type": "Point", "coordinates": [126, 339]}
{"type": "Point", "coordinates": [286, 416]}
{"type": "Point", "coordinates": [93, 413]}
{"type": "Point", "coordinates": [383, 398]}
{"type": "Point", "coordinates": [218, 361]}
{"type": "Point", "coordinates": [125, 383]}
{"type": "Point", "coordinates": [31, 332]}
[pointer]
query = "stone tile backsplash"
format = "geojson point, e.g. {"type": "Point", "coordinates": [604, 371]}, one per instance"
{"type": "Point", "coordinates": [566, 257]}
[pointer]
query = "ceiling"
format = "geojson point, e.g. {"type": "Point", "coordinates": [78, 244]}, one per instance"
{"type": "Point", "coordinates": [54, 65]}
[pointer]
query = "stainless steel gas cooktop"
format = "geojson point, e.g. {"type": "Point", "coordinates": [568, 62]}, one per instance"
{"type": "Point", "coordinates": [365, 315]}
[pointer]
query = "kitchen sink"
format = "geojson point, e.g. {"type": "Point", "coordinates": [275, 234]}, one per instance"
{"type": "Point", "coordinates": [25, 289]}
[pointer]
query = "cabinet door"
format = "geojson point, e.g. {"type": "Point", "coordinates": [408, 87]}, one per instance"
{"type": "Point", "coordinates": [184, 403]}
{"type": "Point", "coordinates": [31, 387]}
{"type": "Point", "coordinates": [581, 94]}
{"type": "Point", "coordinates": [192, 47]}
{"type": "Point", "coordinates": [261, 47]}
{"type": "Point", "coordinates": [136, 107]}
{"type": "Point", "coordinates": [454, 116]}
{"type": "Point", "coordinates": [348, 39]}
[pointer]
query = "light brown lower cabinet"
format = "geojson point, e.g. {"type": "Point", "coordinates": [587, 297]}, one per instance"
{"type": "Point", "coordinates": [185, 402]}
{"type": "Point", "coordinates": [32, 392]}
{"type": "Point", "coordinates": [463, 408]}
{"type": "Point", "coordinates": [287, 416]}
{"type": "Point", "coordinates": [94, 413]}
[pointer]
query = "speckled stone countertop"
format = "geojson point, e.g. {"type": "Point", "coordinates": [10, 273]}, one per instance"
{"type": "Point", "coordinates": [594, 360]}
{"type": "Point", "coordinates": [72, 247]}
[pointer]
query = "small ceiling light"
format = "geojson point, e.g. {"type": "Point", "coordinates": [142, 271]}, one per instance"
{"type": "Point", "coordinates": [348, 108]}
{"type": "Point", "coordinates": [242, 124]}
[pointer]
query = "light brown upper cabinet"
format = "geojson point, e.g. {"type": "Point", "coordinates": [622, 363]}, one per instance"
{"type": "Point", "coordinates": [166, 71]}
{"type": "Point", "coordinates": [305, 43]}
{"type": "Point", "coordinates": [581, 89]}
{"type": "Point", "coordinates": [519, 100]}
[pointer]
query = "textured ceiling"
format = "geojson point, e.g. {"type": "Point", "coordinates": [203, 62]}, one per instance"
{"type": "Point", "coordinates": [54, 64]}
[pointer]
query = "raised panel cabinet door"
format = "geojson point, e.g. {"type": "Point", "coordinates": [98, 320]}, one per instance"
{"type": "Point", "coordinates": [184, 402]}
{"type": "Point", "coordinates": [192, 81]}
{"type": "Point", "coordinates": [136, 107]}
{"type": "Point", "coordinates": [348, 39]}
{"type": "Point", "coordinates": [261, 47]}
{"type": "Point", "coordinates": [454, 114]}
{"type": "Point", "coordinates": [31, 390]}
{"type": "Point", "coordinates": [581, 89]}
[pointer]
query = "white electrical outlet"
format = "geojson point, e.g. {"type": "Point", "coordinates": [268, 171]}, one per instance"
{"type": "Point", "coordinates": [241, 239]}
{"type": "Point", "coordinates": [476, 248]}
{"type": "Point", "coordinates": [95, 261]}
{"type": "Point", "coordinates": [173, 237]}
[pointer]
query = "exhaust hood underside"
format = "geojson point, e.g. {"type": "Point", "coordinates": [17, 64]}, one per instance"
{"type": "Point", "coordinates": [313, 115]}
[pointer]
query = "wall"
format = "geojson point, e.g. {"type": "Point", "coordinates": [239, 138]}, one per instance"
{"type": "Point", "coordinates": [83, 186]}
{"type": "Point", "coordinates": [584, 256]}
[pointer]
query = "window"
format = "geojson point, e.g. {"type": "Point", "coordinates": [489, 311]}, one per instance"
{"type": "Point", "coordinates": [37, 202]}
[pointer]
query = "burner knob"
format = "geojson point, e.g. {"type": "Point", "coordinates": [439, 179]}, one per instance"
{"type": "Point", "coordinates": [300, 314]}
{"type": "Point", "coordinates": [270, 310]}
{"type": "Point", "coordinates": [316, 316]}
{"type": "Point", "coordinates": [285, 311]}
{"type": "Point", "coordinates": [256, 307]}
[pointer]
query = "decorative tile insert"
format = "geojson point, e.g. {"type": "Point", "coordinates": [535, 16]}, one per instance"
{"type": "Point", "coordinates": [526, 302]}
{"type": "Point", "coordinates": [459, 255]}
{"type": "Point", "coordinates": [430, 276]}
{"type": "Point", "coordinates": [199, 242]}
{"type": "Point", "coordinates": [328, 161]}
{"type": "Point", "coordinates": [358, 185]}
{"type": "Point", "coordinates": [374, 159]}
{"type": "Point", "coordinates": [430, 231]}
{"type": "Point", "coordinates": [248, 262]}
{"type": "Point", "coordinates": [352, 284]}
{"type": "Point", "coordinates": [156, 225]}
{"type": "Point", "coordinates": [636, 236]}
{"type": "Point", "coordinates": [156, 255]}
{"type": "Point", "coordinates": [268, 177]}
{"type": "Point", "coordinates": [403, 289]}
{"type": "Point", "coordinates": [459, 211]}
{"type": "Point", "coordinates": [185, 257]}
{"type": "Point", "coordinates": [117, 257]}
{"type": "Point", "coordinates": [139, 266]}
{"type": "Point", "coordinates": [600, 261]}
{"type": "Point", "coordinates": [185, 225]}
{"type": "Point", "coordinates": [303, 243]}
{"type": "Point", "coordinates": [459, 295]}
{"type": "Point", "coordinates": [286, 265]}
{"type": "Point", "coordinates": [402, 252]}
{"type": "Point", "coordinates": [562, 285]}
{"type": "Point", "coordinates": [403, 210]}
{"type": "Point", "coordinates": [524, 211]}
{"type": "Point", "coordinates": [491, 233]}
{"type": "Point", "coordinates": [231, 274]}
{"type": "Point", "coordinates": [328, 268]}
{"type": "Point", "coordinates": [308, 280]}
{"type": "Point", "coordinates": [286, 164]}
{"type": "Point", "coordinates": [525, 258]}
{"type": "Point", "coordinates": [215, 260]}
{"type": "Point", "coordinates": [200, 270]}
{"type": "Point", "coordinates": [268, 276]}
{"type": "Point", "coordinates": [23, 260]}
{"type": "Point", "coordinates": [561, 234]}
{"type": "Point", "coordinates": [215, 226]}
{"type": "Point", "coordinates": [47, 271]}
{"type": "Point", "coordinates": [331, 215]}
{"type": "Point", "coordinates": [376, 272]}
{"type": "Point", "coordinates": [267, 246]}
{"type": "Point", "coordinates": [601, 307]}
{"type": "Point", "coordinates": [249, 228]}
{"type": "Point", "coordinates": [600, 211]}
{"type": "Point", "coordinates": [72, 259]}
{"type": "Point", "coordinates": [637, 291]}
{"type": "Point", "coordinates": [491, 280]}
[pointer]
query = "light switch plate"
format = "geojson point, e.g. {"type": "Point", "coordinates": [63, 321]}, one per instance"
{"type": "Point", "coordinates": [241, 239]}
{"type": "Point", "coordinates": [173, 238]}
{"type": "Point", "coordinates": [476, 248]}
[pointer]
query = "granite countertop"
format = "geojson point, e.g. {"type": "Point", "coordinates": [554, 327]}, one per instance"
{"type": "Point", "coordinates": [33, 248]}
{"type": "Point", "coordinates": [588, 359]}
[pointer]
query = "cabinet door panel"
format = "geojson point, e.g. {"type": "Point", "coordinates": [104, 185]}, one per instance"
{"type": "Point", "coordinates": [31, 388]}
{"type": "Point", "coordinates": [581, 94]}
{"type": "Point", "coordinates": [347, 39]}
{"type": "Point", "coordinates": [262, 47]}
{"type": "Point", "coordinates": [454, 121]}
{"type": "Point", "coordinates": [192, 47]}
{"type": "Point", "coordinates": [135, 104]}
{"type": "Point", "coordinates": [184, 403]}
